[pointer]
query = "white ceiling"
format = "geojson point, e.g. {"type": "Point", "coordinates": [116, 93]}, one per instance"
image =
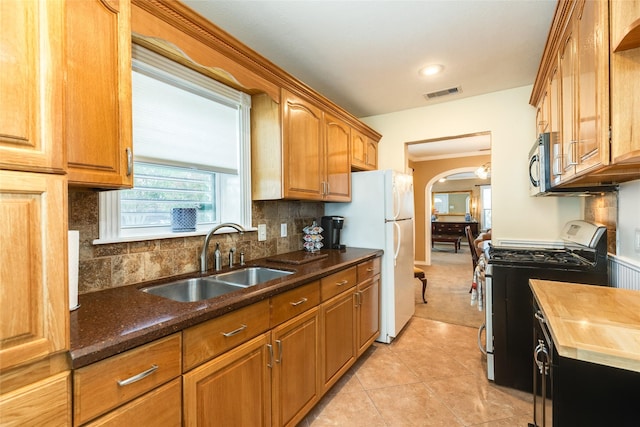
{"type": "Point", "coordinates": [365, 55]}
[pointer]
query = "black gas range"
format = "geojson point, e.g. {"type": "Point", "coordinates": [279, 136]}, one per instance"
{"type": "Point", "coordinates": [508, 318]}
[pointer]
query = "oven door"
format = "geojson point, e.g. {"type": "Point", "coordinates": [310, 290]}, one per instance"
{"type": "Point", "coordinates": [488, 322]}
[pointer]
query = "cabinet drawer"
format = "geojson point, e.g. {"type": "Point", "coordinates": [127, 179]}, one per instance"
{"type": "Point", "coordinates": [337, 282]}
{"type": "Point", "coordinates": [291, 303]}
{"type": "Point", "coordinates": [111, 382]}
{"type": "Point", "coordinates": [368, 269]}
{"type": "Point", "coordinates": [44, 403]}
{"type": "Point", "coordinates": [209, 339]}
{"type": "Point", "coordinates": [159, 407]}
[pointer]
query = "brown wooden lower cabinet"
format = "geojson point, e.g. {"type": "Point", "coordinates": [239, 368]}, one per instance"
{"type": "Point", "coordinates": [292, 348]}
{"type": "Point", "coordinates": [109, 383]}
{"type": "Point", "coordinates": [233, 389]}
{"type": "Point", "coordinates": [43, 403]}
{"type": "Point", "coordinates": [338, 337]}
{"type": "Point", "coordinates": [368, 312]}
{"type": "Point", "coordinates": [160, 407]}
{"type": "Point", "coordinates": [295, 376]}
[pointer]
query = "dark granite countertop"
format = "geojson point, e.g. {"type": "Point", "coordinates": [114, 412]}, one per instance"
{"type": "Point", "coordinates": [114, 320]}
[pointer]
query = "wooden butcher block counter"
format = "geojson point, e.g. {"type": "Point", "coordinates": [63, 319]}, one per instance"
{"type": "Point", "coordinates": [592, 323]}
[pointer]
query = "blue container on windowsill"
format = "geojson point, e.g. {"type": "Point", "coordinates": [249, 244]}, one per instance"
{"type": "Point", "coordinates": [183, 219]}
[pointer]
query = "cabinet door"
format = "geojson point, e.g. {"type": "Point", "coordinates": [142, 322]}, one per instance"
{"type": "Point", "coordinates": [555, 117]}
{"type": "Point", "coordinates": [234, 389]}
{"type": "Point", "coordinates": [625, 84]}
{"type": "Point", "coordinates": [296, 379]}
{"type": "Point", "coordinates": [34, 318]}
{"type": "Point", "coordinates": [302, 142]}
{"type": "Point", "coordinates": [31, 43]}
{"type": "Point", "coordinates": [364, 152]}
{"type": "Point", "coordinates": [624, 24]}
{"type": "Point", "coordinates": [368, 312]}
{"type": "Point", "coordinates": [567, 82]}
{"type": "Point", "coordinates": [593, 85]}
{"type": "Point", "coordinates": [358, 150]}
{"type": "Point", "coordinates": [542, 113]}
{"type": "Point", "coordinates": [44, 403]}
{"type": "Point", "coordinates": [337, 158]}
{"type": "Point", "coordinates": [372, 154]}
{"type": "Point", "coordinates": [98, 129]}
{"type": "Point", "coordinates": [338, 337]}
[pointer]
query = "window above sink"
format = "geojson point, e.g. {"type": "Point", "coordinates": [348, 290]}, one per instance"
{"type": "Point", "coordinates": [191, 139]}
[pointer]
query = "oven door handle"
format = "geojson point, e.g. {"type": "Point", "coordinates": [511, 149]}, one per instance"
{"type": "Point", "coordinates": [482, 349]}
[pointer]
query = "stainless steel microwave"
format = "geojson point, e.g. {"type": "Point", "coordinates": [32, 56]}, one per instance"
{"type": "Point", "coordinates": [541, 161]}
{"type": "Point", "coordinates": [539, 166]}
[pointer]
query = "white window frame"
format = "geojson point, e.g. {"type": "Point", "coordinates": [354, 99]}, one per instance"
{"type": "Point", "coordinates": [109, 201]}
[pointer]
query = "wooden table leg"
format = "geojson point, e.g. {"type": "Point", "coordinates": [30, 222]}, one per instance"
{"type": "Point", "coordinates": [419, 274]}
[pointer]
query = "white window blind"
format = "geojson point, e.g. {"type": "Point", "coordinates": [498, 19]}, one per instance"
{"type": "Point", "coordinates": [175, 119]}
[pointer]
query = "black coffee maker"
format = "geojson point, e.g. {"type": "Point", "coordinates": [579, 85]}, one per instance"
{"type": "Point", "coordinates": [331, 231]}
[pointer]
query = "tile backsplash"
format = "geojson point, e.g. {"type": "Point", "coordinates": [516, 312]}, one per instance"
{"type": "Point", "coordinates": [118, 264]}
{"type": "Point", "coordinates": [603, 209]}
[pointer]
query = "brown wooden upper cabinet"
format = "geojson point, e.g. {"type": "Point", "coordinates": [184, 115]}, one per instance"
{"type": "Point", "coordinates": [589, 90]}
{"type": "Point", "coordinates": [625, 83]}
{"type": "Point", "coordinates": [299, 151]}
{"type": "Point", "coordinates": [31, 86]}
{"type": "Point", "coordinates": [364, 152]}
{"type": "Point", "coordinates": [98, 129]}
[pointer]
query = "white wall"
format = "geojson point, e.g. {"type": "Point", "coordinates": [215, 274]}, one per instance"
{"type": "Point", "coordinates": [628, 220]}
{"type": "Point", "coordinates": [511, 121]}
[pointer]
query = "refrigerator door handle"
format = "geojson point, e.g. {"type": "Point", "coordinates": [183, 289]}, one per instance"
{"type": "Point", "coordinates": [398, 244]}
{"type": "Point", "coordinates": [397, 202]}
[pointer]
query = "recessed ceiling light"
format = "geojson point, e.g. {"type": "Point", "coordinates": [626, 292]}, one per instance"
{"type": "Point", "coordinates": [431, 70]}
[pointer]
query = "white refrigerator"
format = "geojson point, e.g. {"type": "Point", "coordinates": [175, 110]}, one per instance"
{"type": "Point", "coordinates": [380, 216]}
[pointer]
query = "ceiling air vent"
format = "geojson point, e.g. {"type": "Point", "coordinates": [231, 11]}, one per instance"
{"type": "Point", "coordinates": [443, 92]}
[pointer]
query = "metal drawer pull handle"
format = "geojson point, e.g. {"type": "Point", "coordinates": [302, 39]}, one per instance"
{"type": "Point", "coordinates": [237, 331]}
{"type": "Point", "coordinates": [270, 363]}
{"type": "Point", "coordinates": [129, 161]}
{"type": "Point", "coordinates": [538, 315]}
{"type": "Point", "coordinates": [303, 300]}
{"type": "Point", "coordinates": [344, 282]}
{"type": "Point", "coordinates": [138, 377]}
{"type": "Point", "coordinates": [369, 270]}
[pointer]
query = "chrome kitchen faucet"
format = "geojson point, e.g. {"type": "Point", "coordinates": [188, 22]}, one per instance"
{"type": "Point", "coordinates": [203, 253]}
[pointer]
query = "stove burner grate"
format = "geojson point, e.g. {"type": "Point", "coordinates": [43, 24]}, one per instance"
{"type": "Point", "coordinates": [537, 256]}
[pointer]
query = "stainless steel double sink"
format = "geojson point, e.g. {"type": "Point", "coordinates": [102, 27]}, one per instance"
{"type": "Point", "coordinates": [202, 288]}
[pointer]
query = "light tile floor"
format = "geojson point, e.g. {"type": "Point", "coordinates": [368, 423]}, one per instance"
{"type": "Point", "coordinates": [432, 374]}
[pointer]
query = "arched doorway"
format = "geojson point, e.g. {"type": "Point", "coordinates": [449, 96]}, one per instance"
{"type": "Point", "coordinates": [428, 190]}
